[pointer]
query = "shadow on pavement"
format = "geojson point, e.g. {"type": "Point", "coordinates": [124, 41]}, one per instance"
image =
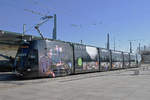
{"type": "Point", "coordinates": [8, 76]}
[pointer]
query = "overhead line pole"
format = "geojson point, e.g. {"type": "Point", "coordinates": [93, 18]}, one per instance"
{"type": "Point", "coordinates": [108, 41]}
{"type": "Point", "coordinates": [114, 44]}
{"type": "Point", "coordinates": [55, 28]}
{"type": "Point", "coordinates": [24, 25]}
{"type": "Point", "coordinates": [139, 48]}
{"type": "Point", "coordinates": [130, 47]}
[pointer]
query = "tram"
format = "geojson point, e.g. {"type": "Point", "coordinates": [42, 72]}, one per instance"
{"type": "Point", "coordinates": [53, 58]}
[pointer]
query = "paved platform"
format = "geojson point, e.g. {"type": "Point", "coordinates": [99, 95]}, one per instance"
{"type": "Point", "coordinates": [114, 85]}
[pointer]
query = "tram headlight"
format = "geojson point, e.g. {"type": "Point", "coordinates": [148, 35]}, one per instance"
{"type": "Point", "coordinates": [29, 69]}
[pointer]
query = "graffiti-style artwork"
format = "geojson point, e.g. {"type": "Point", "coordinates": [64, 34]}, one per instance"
{"type": "Point", "coordinates": [133, 64]}
{"type": "Point", "coordinates": [44, 63]}
{"type": "Point", "coordinates": [105, 59]}
{"type": "Point", "coordinates": [126, 60]}
{"type": "Point", "coordinates": [80, 62]}
{"type": "Point", "coordinates": [90, 65]}
{"type": "Point", "coordinates": [92, 52]}
{"type": "Point", "coordinates": [132, 60]}
{"type": "Point", "coordinates": [117, 65]}
{"type": "Point", "coordinates": [61, 56]}
{"type": "Point", "coordinates": [56, 59]}
{"type": "Point", "coordinates": [86, 58]}
{"type": "Point", "coordinates": [59, 66]}
{"type": "Point", "coordinates": [45, 66]}
{"type": "Point", "coordinates": [126, 64]}
{"type": "Point", "coordinates": [117, 60]}
{"type": "Point", "coordinates": [105, 66]}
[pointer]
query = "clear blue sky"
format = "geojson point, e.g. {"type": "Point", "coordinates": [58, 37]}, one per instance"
{"type": "Point", "coordinates": [87, 20]}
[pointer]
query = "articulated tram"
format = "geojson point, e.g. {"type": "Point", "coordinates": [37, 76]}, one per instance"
{"type": "Point", "coordinates": [52, 58]}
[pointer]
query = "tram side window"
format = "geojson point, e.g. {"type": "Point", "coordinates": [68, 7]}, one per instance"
{"type": "Point", "coordinates": [33, 56]}
{"type": "Point", "coordinates": [104, 57]}
{"type": "Point", "coordinates": [126, 57]}
{"type": "Point", "coordinates": [133, 58]}
{"type": "Point", "coordinates": [119, 57]}
{"type": "Point", "coordinates": [116, 57]}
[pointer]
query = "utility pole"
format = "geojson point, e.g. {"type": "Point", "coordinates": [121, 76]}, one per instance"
{"type": "Point", "coordinates": [23, 33]}
{"type": "Point", "coordinates": [114, 44]}
{"type": "Point", "coordinates": [24, 26]}
{"type": "Point", "coordinates": [108, 41]}
{"type": "Point", "coordinates": [139, 48]}
{"type": "Point", "coordinates": [130, 47]}
{"type": "Point", "coordinates": [81, 42]}
{"type": "Point", "coordinates": [54, 29]}
{"type": "Point", "coordinates": [144, 47]}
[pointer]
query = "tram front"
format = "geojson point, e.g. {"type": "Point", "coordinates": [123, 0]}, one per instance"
{"type": "Point", "coordinates": [26, 60]}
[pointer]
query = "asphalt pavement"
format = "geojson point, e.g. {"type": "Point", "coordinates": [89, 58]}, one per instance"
{"type": "Point", "coordinates": [128, 84]}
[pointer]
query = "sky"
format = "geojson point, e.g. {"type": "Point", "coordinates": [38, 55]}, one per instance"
{"type": "Point", "coordinates": [86, 20]}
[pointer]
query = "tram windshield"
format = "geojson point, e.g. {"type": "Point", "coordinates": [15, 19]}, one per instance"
{"type": "Point", "coordinates": [22, 54]}
{"type": "Point", "coordinates": [26, 56]}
